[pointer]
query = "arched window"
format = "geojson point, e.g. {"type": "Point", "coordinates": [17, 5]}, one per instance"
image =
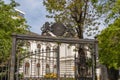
{"type": "Point", "coordinates": [47, 48]}
{"type": "Point", "coordinates": [55, 50]}
{"type": "Point", "coordinates": [54, 66]}
{"type": "Point", "coordinates": [38, 46]}
{"type": "Point", "coordinates": [47, 59]}
{"type": "Point", "coordinates": [55, 69]}
{"type": "Point", "coordinates": [28, 46]}
{"type": "Point", "coordinates": [27, 66]}
{"type": "Point", "coordinates": [38, 69]}
{"type": "Point", "coordinates": [47, 68]}
{"type": "Point", "coordinates": [47, 51]}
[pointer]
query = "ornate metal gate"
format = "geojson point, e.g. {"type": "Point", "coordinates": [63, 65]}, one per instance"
{"type": "Point", "coordinates": [50, 58]}
{"type": "Point", "coordinates": [39, 63]}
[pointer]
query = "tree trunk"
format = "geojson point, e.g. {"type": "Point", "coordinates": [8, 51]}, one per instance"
{"type": "Point", "coordinates": [82, 63]}
{"type": "Point", "coordinates": [113, 74]}
{"type": "Point", "coordinates": [81, 56]}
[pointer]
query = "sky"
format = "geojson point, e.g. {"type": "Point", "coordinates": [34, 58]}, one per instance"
{"type": "Point", "coordinates": [35, 13]}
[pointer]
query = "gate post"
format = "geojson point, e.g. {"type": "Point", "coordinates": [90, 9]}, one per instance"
{"type": "Point", "coordinates": [58, 62]}
{"type": "Point", "coordinates": [96, 58]}
{"type": "Point", "coordinates": [12, 67]}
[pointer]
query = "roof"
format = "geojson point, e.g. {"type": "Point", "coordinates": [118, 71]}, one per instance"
{"type": "Point", "coordinates": [32, 33]}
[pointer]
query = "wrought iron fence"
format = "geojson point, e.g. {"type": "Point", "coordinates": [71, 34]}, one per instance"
{"type": "Point", "coordinates": [37, 64]}
{"type": "Point", "coordinates": [5, 70]}
{"type": "Point", "coordinates": [50, 58]}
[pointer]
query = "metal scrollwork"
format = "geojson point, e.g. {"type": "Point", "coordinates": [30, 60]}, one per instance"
{"type": "Point", "coordinates": [46, 27]}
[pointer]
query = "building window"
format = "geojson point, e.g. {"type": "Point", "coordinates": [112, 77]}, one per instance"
{"type": "Point", "coordinates": [47, 60]}
{"type": "Point", "coordinates": [55, 51]}
{"type": "Point", "coordinates": [27, 66]}
{"type": "Point", "coordinates": [28, 46]}
{"type": "Point", "coordinates": [54, 66]}
{"type": "Point", "coordinates": [55, 69]}
{"type": "Point", "coordinates": [47, 52]}
{"type": "Point", "coordinates": [47, 68]}
{"type": "Point", "coordinates": [38, 69]}
{"type": "Point", "coordinates": [38, 46]}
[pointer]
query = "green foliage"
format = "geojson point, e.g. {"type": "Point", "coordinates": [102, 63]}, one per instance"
{"type": "Point", "coordinates": [10, 22]}
{"type": "Point", "coordinates": [109, 9]}
{"type": "Point", "coordinates": [116, 9]}
{"type": "Point", "coordinates": [109, 43]}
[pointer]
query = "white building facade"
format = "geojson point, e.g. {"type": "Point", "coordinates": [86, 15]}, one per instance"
{"type": "Point", "coordinates": [41, 60]}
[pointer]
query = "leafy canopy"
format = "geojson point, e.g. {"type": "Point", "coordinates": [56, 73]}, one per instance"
{"type": "Point", "coordinates": [109, 40]}
{"type": "Point", "coordinates": [10, 22]}
{"type": "Point", "coordinates": [80, 14]}
{"type": "Point", "coordinates": [109, 10]}
{"type": "Point", "coordinates": [109, 43]}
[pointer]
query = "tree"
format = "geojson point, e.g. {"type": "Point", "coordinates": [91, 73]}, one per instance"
{"type": "Point", "coordinates": [109, 10]}
{"type": "Point", "coordinates": [10, 22]}
{"type": "Point", "coordinates": [112, 11]}
{"type": "Point", "coordinates": [109, 43]}
{"type": "Point", "coordinates": [81, 15]}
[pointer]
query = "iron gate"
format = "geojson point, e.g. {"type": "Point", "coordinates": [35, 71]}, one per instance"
{"type": "Point", "coordinates": [51, 58]}
{"type": "Point", "coordinates": [38, 64]}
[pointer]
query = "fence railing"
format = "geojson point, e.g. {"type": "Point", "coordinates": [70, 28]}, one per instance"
{"type": "Point", "coordinates": [5, 70]}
